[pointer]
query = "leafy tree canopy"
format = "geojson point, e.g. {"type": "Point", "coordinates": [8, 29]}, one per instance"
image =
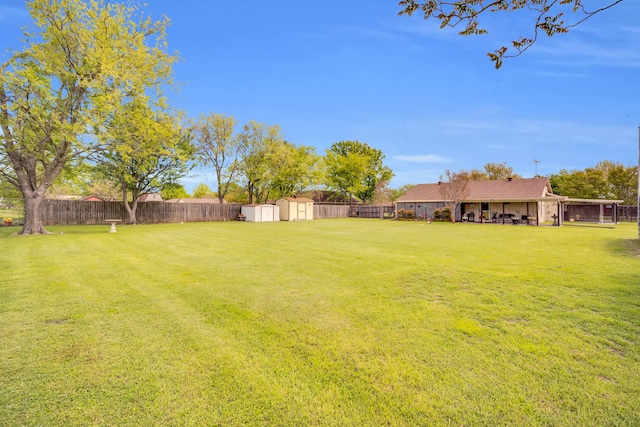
{"type": "Point", "coordinates": [356, 169]}
{"type": "Point", "coordinates": [202, 190]}
{"type": "Point", "coordinates": [606, 180]}
{"type": "Point", "coordinates": [217, 146]}
{"type": "Point", "coordinates": [173, 190]}
{"type": "Point", "coordinates": [397, 192]}
{"type": "Point", "coordinates": [492, 171]}
{"type": "Point", "coordinates": [144, 149]}
{"type": "Point", "coordinates": [81, 59]}
{"type": "Point", "coordinates": [547, 17]}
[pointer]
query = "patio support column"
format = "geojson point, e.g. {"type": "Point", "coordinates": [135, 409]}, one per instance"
{"type": "Point", "coordinates": [601, 216]}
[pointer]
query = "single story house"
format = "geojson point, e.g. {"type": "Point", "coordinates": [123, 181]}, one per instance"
{"type": "Point", "coordinates": [150, 197]}
{"type": "Point", "coordinates": [525, 200]}
{"type": "Point", "coordinates": [329, 197]}
{"type": "Point", "coordinates": [203, 200]}
{"type": "Point", "coordinates": [295, 208]}
{"type": "Point", "coordinates": [93, 198]}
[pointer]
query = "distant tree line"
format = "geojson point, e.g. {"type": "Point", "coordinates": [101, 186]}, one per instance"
{"type": "Point", "coordinates": [605, 180]}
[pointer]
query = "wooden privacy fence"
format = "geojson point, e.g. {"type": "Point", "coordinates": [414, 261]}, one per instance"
{"type": "Point", "coordinates": [330, 211]}
{"type": "Point", "coordinates": [76, 212]}
{"type": "Point", "coordinates": [73, 212]}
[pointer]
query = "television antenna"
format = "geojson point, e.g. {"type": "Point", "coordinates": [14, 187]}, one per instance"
{"type": "Point", "coordinates": [536, 161]}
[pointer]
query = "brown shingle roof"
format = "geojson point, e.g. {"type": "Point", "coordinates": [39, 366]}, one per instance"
{"type": "Point", "coordinates": [298, 199]}
{"type": "Point", "coordinates": [204, 200]}
{"type": "Point", "coordinates": [497, 190]}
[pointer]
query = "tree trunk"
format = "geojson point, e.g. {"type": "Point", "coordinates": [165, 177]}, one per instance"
{"type": "Point", "coordinates": [32, 215]}
{"type": "Point", "coordinates": [250, 190]}
{"type": "Point", "coordinates": [131, 212]}
{"type": "Point", "coordinates": [131, 209]}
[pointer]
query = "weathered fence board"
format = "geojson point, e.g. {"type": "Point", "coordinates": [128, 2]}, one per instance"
{"type": "Point", "coordinates": [330, 211]}
{"type": "Point", "coordinates": [73, 212]}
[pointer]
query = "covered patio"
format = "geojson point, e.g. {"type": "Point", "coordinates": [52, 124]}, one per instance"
{"type": "Point", "coordinates": [599, 211]}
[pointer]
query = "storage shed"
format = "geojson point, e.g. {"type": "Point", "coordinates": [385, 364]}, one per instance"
{"type": "Point", "coordinates": [261, 213]}
{"type": "Point", "coordinates": [295, 208]}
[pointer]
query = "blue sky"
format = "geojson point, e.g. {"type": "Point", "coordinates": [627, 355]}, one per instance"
{"type": "Point", "coordinates": [429, 99]}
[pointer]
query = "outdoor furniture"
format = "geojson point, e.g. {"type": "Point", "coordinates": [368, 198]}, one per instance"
{"type": "Point", "coordinates": [515, 220]}
{"type": "Point", "coordinates": [494, 217]}
{"type": "Point", "coordinates": [113, 224]}
{"type": "Point", "coordinates": [471, 217]}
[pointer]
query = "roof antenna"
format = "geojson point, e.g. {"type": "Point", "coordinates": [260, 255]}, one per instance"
{"type": "Point", "coordinates": [536, 161]}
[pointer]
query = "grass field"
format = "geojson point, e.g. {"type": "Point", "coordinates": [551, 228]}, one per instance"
{"type": "Point", "coordinates": [320, 323]}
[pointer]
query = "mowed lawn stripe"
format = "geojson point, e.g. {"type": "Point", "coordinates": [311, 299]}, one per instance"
{"type": "Point", "coordinates": [333, 322]}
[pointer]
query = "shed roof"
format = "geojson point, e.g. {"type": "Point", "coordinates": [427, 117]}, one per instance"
{"type": "Point", "coordinates": [525, 189]}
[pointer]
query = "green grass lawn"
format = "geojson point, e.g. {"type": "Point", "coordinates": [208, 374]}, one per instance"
{"type": "Point", "coordinates": [322, 323]}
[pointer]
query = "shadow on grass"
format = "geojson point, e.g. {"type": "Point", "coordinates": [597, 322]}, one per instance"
{"type": "Point", "coordinates": [626, 247]}
{"type": "Point", "coordinates": [62, 230]}
{"type": "Point", "coordinates": [588, 225]}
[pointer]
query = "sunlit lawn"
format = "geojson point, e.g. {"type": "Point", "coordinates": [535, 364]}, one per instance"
{"type": "Point", "coordinates": [326, 322]}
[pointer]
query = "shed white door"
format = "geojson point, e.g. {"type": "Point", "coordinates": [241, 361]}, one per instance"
{"type": "Point", "coordinates": [302, 211]}
{"type": "Point", "coordinates": [267, 214]}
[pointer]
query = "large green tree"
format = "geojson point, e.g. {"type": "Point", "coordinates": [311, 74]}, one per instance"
{"type": "Point", "coordinates": [203, 190]}
{"type": "Point", "coordinates": [294, 168]}
{"type": "Point", "coordinates": [492, 171]}
{"type": "Point", "coordinates": [81, 58]}
{"type": "Point", "coordinates": [256, 142]}
{"type": "Point", "coordinates": [547, 17]}
{"type": "Point", "coordinates": [218, 147]}
{"type": "Point", "coordinates": [144, 150]}
{"type": "Point", "coordinates": [397, 192]}
{"type": "Point", "coordinates": [271, 167]}
{"type": "Point", "coordinates": [606, 180]}
{"type": "Point", "coordinates": [174, 190]}
{"type": "Point", "coordinates": [356, 169]}
{"type": "Point", "coordinates": [497, 171]}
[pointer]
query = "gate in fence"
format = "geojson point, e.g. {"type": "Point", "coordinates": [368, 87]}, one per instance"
{"type": "Point", "coordinates": [378, 211]}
